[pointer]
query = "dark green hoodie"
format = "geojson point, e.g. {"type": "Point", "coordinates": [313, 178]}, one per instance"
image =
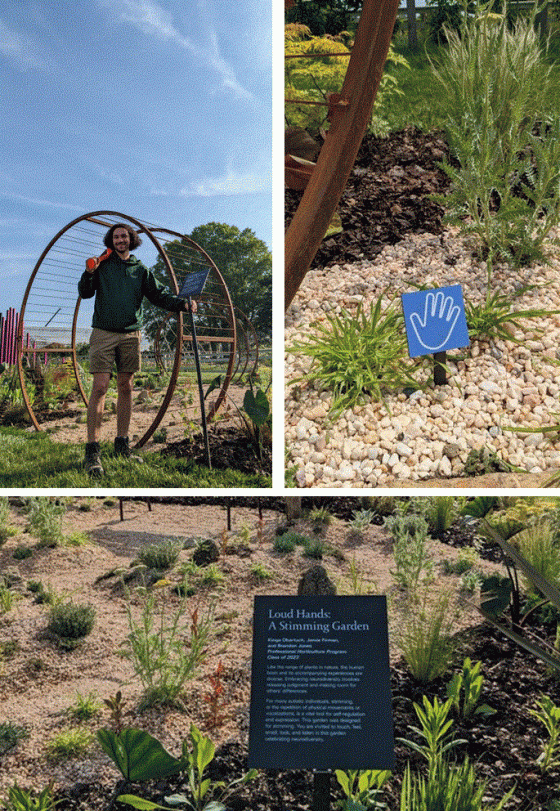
{"type": "Point", "coordinates": [119, 287]}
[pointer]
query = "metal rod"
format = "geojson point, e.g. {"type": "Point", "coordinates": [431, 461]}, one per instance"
{"type": "Point", "coordinates": [200, 389]}
{"type": "Point", "coordinates": [440, 375]}
{"type": "Point", "coordinates": [51, 318]}
{"type": "Point", "coordinates": [321, 791]}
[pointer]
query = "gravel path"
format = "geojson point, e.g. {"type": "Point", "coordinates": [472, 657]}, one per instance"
{"type": "Point", "coordinates": [428, 435]}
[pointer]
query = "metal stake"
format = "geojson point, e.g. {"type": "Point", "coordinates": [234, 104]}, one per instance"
{"type": "Point", "coordinates": [321, 791]}
{"type": "Point", "coordinates": [200, 389]}
{"type": "Point", "coordinates": [440, 375]}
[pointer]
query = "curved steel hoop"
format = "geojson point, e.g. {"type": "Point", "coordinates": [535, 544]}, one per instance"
{"type": "Point", "coordinates": [57, 320]}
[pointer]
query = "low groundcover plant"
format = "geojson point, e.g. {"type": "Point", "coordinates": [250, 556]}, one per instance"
{"type": "Point", "coordinates": [362, 354]}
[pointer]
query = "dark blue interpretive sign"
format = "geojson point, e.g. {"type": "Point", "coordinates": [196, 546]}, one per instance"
{"type": "Point", "coordinates": [435, 320]}
{"type": "Point", "coordinates": [320, 690]}
{"type": "Point", "coordinates": [194, 284]}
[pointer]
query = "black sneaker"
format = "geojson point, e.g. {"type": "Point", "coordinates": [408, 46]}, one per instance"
{"type": "Point", "coordinates": [92, 460]}
{"type": "Point", "coordinates": [122, 449]}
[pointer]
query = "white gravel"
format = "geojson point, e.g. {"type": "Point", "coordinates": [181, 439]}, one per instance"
{"type": "Point", "coordinates": [493, 385]}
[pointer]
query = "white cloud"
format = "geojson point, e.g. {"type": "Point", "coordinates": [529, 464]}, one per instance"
{"type": "Point", "coordinates": [38, 202]}
{"type": "Point", "coordinates": [231, 184]}
{"type": "Point", "coordinates": [19, 50]}
{"type": "Point", "coordinates": [155, 21]}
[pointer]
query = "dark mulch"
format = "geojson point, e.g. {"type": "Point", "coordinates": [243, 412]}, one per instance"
{"type": "Point", "coordinates": [230, 448]}
{"type": "Point", "coordinates": [386, 197]}
{"type": "Point", "coordinates": [504, 746]}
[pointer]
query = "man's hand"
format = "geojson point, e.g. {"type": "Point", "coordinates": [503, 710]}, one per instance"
{"type": "Point", "coordinates": [193, 307]}
{"type": "Point", "coordinates": [92, 264]}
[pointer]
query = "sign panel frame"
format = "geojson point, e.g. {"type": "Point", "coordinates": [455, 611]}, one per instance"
{"type": "Point", "coordinates": [435, 320]}
{"type": "Point", "coordinates": [320, 689]}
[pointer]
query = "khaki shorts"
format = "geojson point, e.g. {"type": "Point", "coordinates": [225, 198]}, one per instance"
{"type": "Point", "coordinates": [108, 348]}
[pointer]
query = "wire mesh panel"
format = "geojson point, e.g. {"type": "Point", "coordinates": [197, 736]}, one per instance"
{"type": "Point", "coordinates": [56, 322]}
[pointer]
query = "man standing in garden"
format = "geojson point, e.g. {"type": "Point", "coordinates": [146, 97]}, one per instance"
{"type": "Point", "coordinates": [119, 283]}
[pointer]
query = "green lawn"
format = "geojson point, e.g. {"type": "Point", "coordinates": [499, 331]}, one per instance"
{"type": "Point", "coordinates": [34, 460]}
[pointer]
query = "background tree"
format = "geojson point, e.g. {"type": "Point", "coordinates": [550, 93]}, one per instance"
{"type": "Point", "coordinates": [244, 261]}
{"type": "Point", "coordinates": [325, 16]}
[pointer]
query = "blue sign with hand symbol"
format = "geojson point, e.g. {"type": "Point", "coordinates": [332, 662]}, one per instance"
{"type": "Point", "coordinates": [435, 320]}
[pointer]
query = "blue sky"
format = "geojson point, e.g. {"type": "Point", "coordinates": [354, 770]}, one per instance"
{"type": "Point", "coordinates": [159, 110]}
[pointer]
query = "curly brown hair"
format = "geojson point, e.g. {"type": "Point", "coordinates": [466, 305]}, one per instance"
{"type": "Point", "coordinates": [135, 240]}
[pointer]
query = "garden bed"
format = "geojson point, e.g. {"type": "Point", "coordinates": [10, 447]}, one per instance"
{"type": "Point", "coordinates": [39, 681]}
{"type": "Point", "coordinates": [394, 241]}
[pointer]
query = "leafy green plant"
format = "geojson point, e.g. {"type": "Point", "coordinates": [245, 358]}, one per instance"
{"type": "Point", "coordinates": [45, 520]}
{"type": "Point", "coordinates": [467, 559]}
{"type": "Point", "coordinates": [314, 549]}
{"type": "Point", "coordinates": [44, 594]}
{"type": "Point", "coordinates": [549, 715]}
{"type": "Point", "coordinates": [150, 761]}
{"type": "Point", "coordinates": [260, 572]}
{"type": "Point", "coordinates": [312, 79]}
{"type": "Point", "coordinates": [256, 404]}
{"type": "Point", "coordinates": [21, 800]}
{"type": "Point", "coordinates": [480, 506]}
{"type": "Point", "coordinates": [362, 354]}
{"type": "Point", "coordinates": [497, 593]}
{"type": "Point", "coordinates": [256, 413]}
{"type": "Point", "coordinates": [361, 520]}
{"type": "Point", "coordinates": [71, 622]}
{"type": "Point", "coordinates": [160, 556]}
{"type": "Point", "coordinates": [69, 743]}
{"type": "Point", "coordinates": [494, 319]}
{"type": "Point", "coordinates": [539, 546]}
{"type": "Point", "coordinates": [361, 788]}
{"type": "Point", "coordinates": [6, 530]}
{"type": "Point", "coordinates": [284, 544]}
{"type": "Point", "coordinates": [22, 551]}
{"type": "Point", "coordinates": [465, 689]}
{"type": "Point", "coordinates": [10, 734]}
{"type": "Point", "coordinates": [447, 786]}
{"type": "Point", "coordinates": [86, 707]}
{"type": "Point", "coordinates": [440, 514]}
{"type": "Point", "coordinates": [434, 730]}
{"type": "Point", "coordinates": [356, 578]}
{"type": "Point", "coordinates": [413, 562]}
{"type": "Point", "coordinates": [211, 575]}
{"type": "Point", "coordinates": [164, 648]}
{"type": "Point", "coordinates": [138, 755]}
{"type": "Point", "coordinates": [320, 518]}
{"type": "Point", "coordinates": [7, 599]}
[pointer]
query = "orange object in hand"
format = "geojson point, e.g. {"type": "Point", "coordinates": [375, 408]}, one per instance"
{"type": "Point", "coordinates": [90, 263]}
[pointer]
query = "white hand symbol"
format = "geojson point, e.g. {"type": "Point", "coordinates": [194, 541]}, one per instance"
{"type": "Point", "coordinates": [440, 317]}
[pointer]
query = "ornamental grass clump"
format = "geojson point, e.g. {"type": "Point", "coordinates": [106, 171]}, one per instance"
{"type": "Point", "coordinates": [425, 638]}
{"type": "Point", "coordinates": [501, 96]}
{"type": "Point", "coordinates": [360, 356]}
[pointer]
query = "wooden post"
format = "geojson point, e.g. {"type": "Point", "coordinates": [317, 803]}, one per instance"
{"type": "Point", "coordinates": [350, 114]}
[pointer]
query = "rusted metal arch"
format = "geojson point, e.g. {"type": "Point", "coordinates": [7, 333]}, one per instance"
{"type": "Point", "coordinates": [349, 114]}
{"type": "Point", "coordinates": [250, 352]}
{"type": "Point", "coordinates": [224, 304]}
{"type": "Point", "coordinates": [67, 269]}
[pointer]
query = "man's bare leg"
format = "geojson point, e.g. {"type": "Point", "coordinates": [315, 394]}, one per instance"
{"type": "Point", "coordinates": [124, 402]}
{"type": "Point", "coordinates": [124, 413]}
{"type": "Point", "coordinates": [96, 405]}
